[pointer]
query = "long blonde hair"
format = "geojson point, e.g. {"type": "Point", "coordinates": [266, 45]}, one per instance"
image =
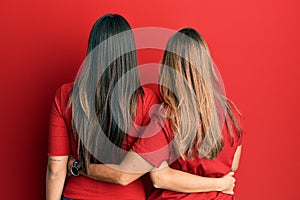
{"type": "Point", "coordinates": [194, 96]}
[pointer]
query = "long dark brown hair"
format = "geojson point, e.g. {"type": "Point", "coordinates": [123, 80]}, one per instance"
{"type": "Point", "coordinates": [194, 96]}
{"type": "Point", "coordinates": [103, 101]}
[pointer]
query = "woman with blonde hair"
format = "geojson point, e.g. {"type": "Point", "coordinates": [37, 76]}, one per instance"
{"type": "Point", "coordinates": [204, 124]}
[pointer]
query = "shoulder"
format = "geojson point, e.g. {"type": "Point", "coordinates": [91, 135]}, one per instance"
{"type": "Point", "coordinates": [64, 90]}
{"type": "Point", "coordinates": [62, 95]}
{"type": "Point", "coordinates": [147, 105]}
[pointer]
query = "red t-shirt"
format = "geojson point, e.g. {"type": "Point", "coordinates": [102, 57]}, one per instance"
{"type": "Point", "coordinates": [158, 148]}
{"type": "Point", "coordinates": [62, 143]}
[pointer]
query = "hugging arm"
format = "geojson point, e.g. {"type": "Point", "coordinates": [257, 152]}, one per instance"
{"type": "Point", "coordinates": [130, 169]}
{"type": "Point", "coordinates": [179, 181]}
{"type": "Point", "coordinates": [133, 166]}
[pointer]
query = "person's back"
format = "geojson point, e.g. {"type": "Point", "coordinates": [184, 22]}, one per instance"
{"type": "Point", "coordinates": [204, 129]}
{"type": "Point", "coordinates": [88, 115]}
{"type": "Point", "coordinates": [216, 168]}
{"type": "Point", "coordinates": [82, 187]}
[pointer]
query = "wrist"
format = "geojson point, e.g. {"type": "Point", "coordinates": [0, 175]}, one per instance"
{"type": "Point", "coordinates": [219, 184]}
{"type": "Point", "coordinates": [75, 169]}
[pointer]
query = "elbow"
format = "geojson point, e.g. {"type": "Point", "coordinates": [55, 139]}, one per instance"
{"type": "Point", "coordinates": [158, 179]}
{"type": "Point", "coordinates": [156, 182]}
{"type": "Point", "coordinates": [124, 179]}
{"type": "Point", "coordinates": [157, 185]}
{"type": "Point", "coordinates": [123, 182]}
{"type": "Point", "coordinates": [53, 173]}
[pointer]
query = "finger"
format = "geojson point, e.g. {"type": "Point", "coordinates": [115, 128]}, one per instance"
{"type": "Point", "coordinates": [234, 180]}
{"type": "Point", "coordinates": [79, 165]}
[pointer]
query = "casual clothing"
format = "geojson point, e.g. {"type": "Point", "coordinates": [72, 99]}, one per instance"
{"type": "Point", "coordinates": [62, 143]}
{"type": "Point", "coordinates": [150, 148]}
{"type": "Point", "coordinates": [65, 198]}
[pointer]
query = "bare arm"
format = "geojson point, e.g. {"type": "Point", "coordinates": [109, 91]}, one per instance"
{"type": "Point", "coordinates": [55, 178]}
{"type": "Point", "coordinates": [130, 169]}
{"type": "Point", "coordinates": [111, 173]}
{"type": "Point", "coordinates": [179, 181]}
{"type": "Point", "coordinates": [133, 166]}
{"type": "Point", "coordinates": [236, 159]}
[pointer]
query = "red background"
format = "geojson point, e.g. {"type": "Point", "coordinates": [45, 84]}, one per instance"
{"type": "Point", "coordinates": [254, 43]}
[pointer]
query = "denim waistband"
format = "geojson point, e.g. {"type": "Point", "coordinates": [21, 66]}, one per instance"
{"type": "Point", "coordinates": [64, 198]}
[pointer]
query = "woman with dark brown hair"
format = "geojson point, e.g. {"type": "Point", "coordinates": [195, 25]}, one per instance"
{"type": "Point", "coordinates": [82, 124]}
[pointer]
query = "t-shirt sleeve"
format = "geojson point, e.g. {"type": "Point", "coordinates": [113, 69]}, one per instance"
{"type": "Point", "coordinates": [58, 138]}
{"type": "Point", "coordinates": [153, 142]}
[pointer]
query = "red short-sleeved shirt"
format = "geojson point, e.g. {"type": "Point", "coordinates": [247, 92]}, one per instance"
{"type": "Point", "coordinates": [151, 149]}
{"type": "Point", "coordinates": [62, 143]}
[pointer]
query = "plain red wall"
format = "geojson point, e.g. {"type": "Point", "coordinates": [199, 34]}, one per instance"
{"type": "Point", "coordinates": [254, 43]}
